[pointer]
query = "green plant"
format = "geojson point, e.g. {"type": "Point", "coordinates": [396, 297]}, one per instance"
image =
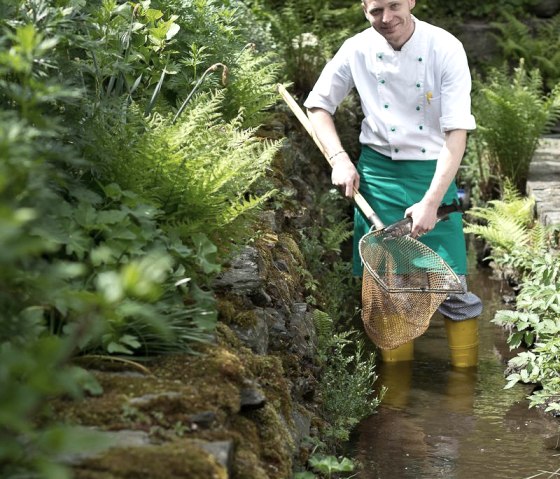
{"type": "Point", "coordinates": [85, 263]}
{"type": "Point", "coordinates": [442, 9]}
{"type": "Point", "coordinates": [306, 34]}
{"type": "Point", "coordinates": [538, 46]}
{"type": "Point", "coordinates": [540, 366]}
{"type": "Point", "coordinates": [513, 114]}
{"type": "Point", "coordinates": [525, 250]}
{"type": "Point", "coordinates": [508, 226]}
{"type": "Point", "coordinates": [329, 465]}
{"type": "Point", "coordinates": [198, 171]}
{"type": "Point", "coordinates": [346, 384]}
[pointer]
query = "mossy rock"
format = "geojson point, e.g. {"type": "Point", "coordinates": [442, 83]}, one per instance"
{"type": "Point", "coordinates": [175, 460]}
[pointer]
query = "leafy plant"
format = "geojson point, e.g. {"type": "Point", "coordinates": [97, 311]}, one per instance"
{"type": "Point", "coordinates": [534, 323]}
{"type": "Point", "coordinates": [346, 385]}
{"type": "Point", "coordinates": [198, 171]}
{"type": "Point", "coordinates": [513, 114]}
{"type": "Point", "coordinates": [538, 46]}
{"type": "Point", "coordinates": [329, 465]}
{"type": "Point", "coordinates": [87, 264]}
{"type": "Point", "coordinates": [508, 226]}
{"type": "Point", "coordinates": [306, 34]}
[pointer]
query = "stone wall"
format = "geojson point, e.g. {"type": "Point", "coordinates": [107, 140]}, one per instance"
{"type": "Point", "coordinates": [544, 180]}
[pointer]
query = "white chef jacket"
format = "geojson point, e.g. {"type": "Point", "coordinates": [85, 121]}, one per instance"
{"type": "Point", "coordinates": [409, 97]}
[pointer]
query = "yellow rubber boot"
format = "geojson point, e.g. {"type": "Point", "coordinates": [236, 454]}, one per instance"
{"type": "Point", "coordinates": [396, 378]}
{"type": "Point", "coordinates": [462, 337]}
{"type": "Point", "coordinates": [404, 352]}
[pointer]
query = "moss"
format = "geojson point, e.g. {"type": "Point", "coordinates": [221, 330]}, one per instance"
{"type": "Point", "coordinates": [183, 385]}
{"type": "Point", "coordinates": [180, 459]}
{"type": "Point", "coordinates": [276, 442]}
{"type": "Point", "coordinates": [287, 242]}
{"type": "Point", "coordinates": [247, 466]}
{"type": "Point", "coordinates": [271, 376]}
{"type": "Point", "coordinates": [226, 310]}
{"type": "Point", "coordinates": [227, 338]}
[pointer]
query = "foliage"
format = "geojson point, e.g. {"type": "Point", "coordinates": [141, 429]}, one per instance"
{"type": "Point", "coordinates": [509, 227]}
{"type": "Point", "coordinates": [321, 245]}
{"type": "Point", "coordinates": [86, 263]}
{"type": "Point", "coordinates": [346, 385]}
{"type": "Point", "coordinates": [470, 9]}
{"type": "Point", "coordinates": [348, 370]}
{"type": "Point", "coordinates": [526, 249]}
{"type": "Point", "coordinates": [198, 171]}
{"type": "Point", "coordinates": [538, 46]}
{"type": "Point", "coordinates": [513, 114]}
{"type": "Point", "coordinates": [306, 34]}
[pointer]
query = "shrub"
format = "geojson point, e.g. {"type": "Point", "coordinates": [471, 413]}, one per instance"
{"type": "Point", "coordinates": [513, 114]}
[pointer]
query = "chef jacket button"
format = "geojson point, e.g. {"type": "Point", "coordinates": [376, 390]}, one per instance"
{"type": "Point", "coordinates": [386, 105]}
{"type": "Point", "coordinates": [380, 55]}
{"type": "Point", "coordinates": [421, 127]}
{"type": "Point", "coordinates": [418, 108]}
{"type": "Point", "coordinates": [396, 150]}
{"type": "Point", "coordinates": [423, 150]}
{"type": "Point", "coordinates": [419, 59]}
{"type": "Point", "coordinates": [393, 128]}
{"type": "Point", "coordinates": [382, 81]}
{"type": "Point", "coordinates": [418, 85]}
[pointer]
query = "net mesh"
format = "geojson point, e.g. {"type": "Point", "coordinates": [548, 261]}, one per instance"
{"type": "Point", "coordinates": [404, 282]}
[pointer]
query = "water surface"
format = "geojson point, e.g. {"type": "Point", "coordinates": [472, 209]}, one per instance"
{"type": "Point", "coordinates": [441, 422]}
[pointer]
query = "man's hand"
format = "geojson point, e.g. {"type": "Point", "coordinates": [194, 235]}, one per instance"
{"type": "Point", "coordinates": [424, 218]}
{"type": "Point", "coordinates": [344, 175]}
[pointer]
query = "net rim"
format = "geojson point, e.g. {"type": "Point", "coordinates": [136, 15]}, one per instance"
{"type": "Point", "coordinates": [452, 290]}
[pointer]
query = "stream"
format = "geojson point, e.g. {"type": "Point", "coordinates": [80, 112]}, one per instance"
{"type": "Point", "coordinates": [439, 422]}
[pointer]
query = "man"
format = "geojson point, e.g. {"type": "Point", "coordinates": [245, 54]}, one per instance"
{"type": "Point", "coordinates": [414, 85]}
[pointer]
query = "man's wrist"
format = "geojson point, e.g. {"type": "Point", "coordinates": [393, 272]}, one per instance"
{"type": "Point", "coordinates": [336, 155]}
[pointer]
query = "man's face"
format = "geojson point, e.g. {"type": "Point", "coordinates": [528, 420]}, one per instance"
{"type": "Point", "coordinates": [392, 19]}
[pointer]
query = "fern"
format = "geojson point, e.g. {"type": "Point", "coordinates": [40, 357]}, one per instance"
{"type": "Point", "coordinates": [513, 114]}
{"type": "Point", "coordinates": [252, 86]}
{"type": "Point", "coordinates": [539, 47]}
{"type": "Point", "coordinates": [199, 171]}
{"type": "Point", "coordinates": [509, 228]}
{"type": "Point", "coordinates": [324, 327]}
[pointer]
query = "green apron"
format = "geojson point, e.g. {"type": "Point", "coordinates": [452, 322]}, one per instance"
{"type": "Point", "coordinates": [390, 187]}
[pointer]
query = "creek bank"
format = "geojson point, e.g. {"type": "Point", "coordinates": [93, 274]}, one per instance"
{"type": "Point", "coordinates": [243, 405]}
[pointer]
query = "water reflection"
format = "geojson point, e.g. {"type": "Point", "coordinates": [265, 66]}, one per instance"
{"type": "Point", "coordinates": [439, 422]}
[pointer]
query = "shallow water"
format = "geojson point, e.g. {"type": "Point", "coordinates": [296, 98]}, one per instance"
{"type": "Point", "coordinates": [440, 422]}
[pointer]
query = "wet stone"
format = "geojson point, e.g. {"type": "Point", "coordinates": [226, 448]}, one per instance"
{"type": "Point", "coordinates": [203, 420]}
{"type": "Point", "coordinates": [243, 276]}
{"type": "Point", "coordinates": [251, 398]}
{"type": "Point", "coordinates": [146, 400]}
{"type": "Point", "coordinates": [222, 451]}
{"type": "Point", "coordinates": [254, 336]}
{"type": "Point", "coordinates": [113, 439]}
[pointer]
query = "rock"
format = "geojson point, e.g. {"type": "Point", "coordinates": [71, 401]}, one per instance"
{"type": "Point", "coordinates": [251, 397]}
{"type": "Point", "coordinates": [268, 220]}
{"type": "Point", "coordinates": [545, 8]}
{"type": "Point", "coordinates": [260, 298]}
{"type": "Point", "coordinates": [478, 41]}
{"type": "Point", "coordinates": [146, 400]}
{"type": "Point", "coordinates": [222, 451]}
{"type": "Point", "coordinates": [302, 424]}
{"type": "Point", "coordinates": [108, 439]}
{"type": "Point", "coordinates": [302, 330]}
{"type": "Point", "coordinates": [254, 336]}
{"type": "Point", "coordinates": [243, 277]}
{"type": "Point", "coordinates": [204, 420]}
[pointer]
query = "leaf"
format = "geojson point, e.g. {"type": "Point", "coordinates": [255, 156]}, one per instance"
{"type": "Point", "coordinates": [305, 475]}
{"type": "Point", "coordinates": [114, 347]}
{"type": "Point", "coordinates": [111, 217]}
{"type": "Point", "coordinates": [206, 253]}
